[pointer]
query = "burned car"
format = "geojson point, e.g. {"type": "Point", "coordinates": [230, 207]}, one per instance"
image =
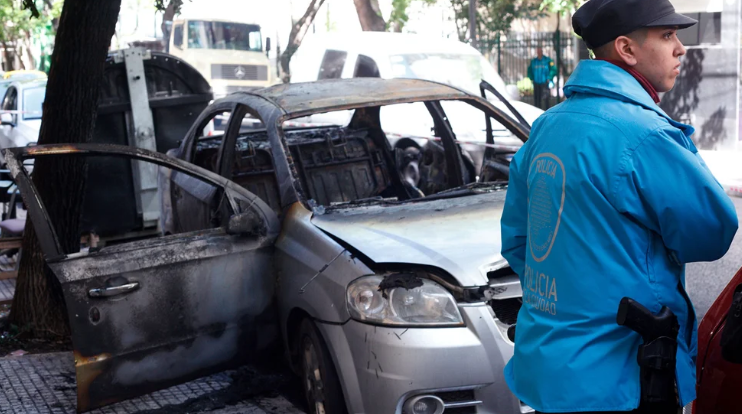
{"type": "Point", "coordinates": [391, 291]}
{"type": "Point", "coordinates": [386, 288]}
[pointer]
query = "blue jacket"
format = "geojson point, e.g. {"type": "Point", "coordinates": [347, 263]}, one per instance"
{"type": "Point", "coordinates": [608, 198]}
{"type": "Point", "coordinates": [542, 70]}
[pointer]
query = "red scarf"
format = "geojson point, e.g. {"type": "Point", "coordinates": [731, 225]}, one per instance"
{"type": "Point", "coordinates": [638, 76]}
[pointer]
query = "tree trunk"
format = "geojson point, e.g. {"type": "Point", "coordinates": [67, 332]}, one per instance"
{"type": "Point", "coordinates": [70, 108]}
{"type": "Point", "coordinates": [297, 35]}
{"type": "Point", "coordinates": [6, 66]}
{"type": "Point", "coordinates": [27, 52]}
{"type": "Point", "coordinates": [168, 17]}
{"type": "Point", "coordinates": [458, 6]}
{"type": "Point", "coordinates": [370, 16]}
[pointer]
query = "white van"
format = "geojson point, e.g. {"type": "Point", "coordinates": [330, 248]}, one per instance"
{"type": "Point", "coordinates": [229, 54]}
{"type": "Point", "coordinates": [402, 55]}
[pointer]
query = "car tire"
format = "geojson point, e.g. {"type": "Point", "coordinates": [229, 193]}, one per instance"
{"type": "Point", "coordinates": [322, 390]}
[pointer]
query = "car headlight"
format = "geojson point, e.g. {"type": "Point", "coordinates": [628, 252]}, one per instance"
{"type": "Point", "coordinates": [427, 304]}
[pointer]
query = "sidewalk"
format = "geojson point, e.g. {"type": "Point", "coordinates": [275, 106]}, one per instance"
{"type": "Point", "coordinates": [45, 383]}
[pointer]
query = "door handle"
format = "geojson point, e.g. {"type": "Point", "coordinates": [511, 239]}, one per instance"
{"type": "Point", "coordinates": [113, 291]}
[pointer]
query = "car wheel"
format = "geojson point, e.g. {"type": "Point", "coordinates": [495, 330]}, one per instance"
{"type": "Point", "coordinates": [318, 376]}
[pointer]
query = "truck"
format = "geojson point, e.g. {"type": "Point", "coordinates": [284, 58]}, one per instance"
{"type": "Point", "coordinates": [230, 54]}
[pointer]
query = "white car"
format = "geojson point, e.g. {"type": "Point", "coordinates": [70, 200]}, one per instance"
{"type": "Point", "coordinates": [20, 113]}
{"type": "Point", "coordinates": [402, 55]}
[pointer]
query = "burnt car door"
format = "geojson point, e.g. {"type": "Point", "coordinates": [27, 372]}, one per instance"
{"type": "Point", "coordinates": [186, 196]}
{"type": "Point", "coordinates": [148, 314]}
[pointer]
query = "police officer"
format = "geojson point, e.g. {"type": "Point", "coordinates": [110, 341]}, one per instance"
{"type": "Point", "coordinates": [541, 71]}
{"type": "Point", "coordinates": [609, 198]}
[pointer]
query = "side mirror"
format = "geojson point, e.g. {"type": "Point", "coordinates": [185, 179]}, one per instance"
{"type": "Point", "coordinates": [7, 119]}
{"type": "Point", "coordinates": [267, 44]}
{"type": "Point", "coordinates": [512, 90]}
{"type": "Point", "coordinates": [246, 224]}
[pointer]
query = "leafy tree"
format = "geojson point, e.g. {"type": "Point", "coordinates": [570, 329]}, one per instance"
{"type": "Point", "coordinates": [371, 19]}
{"type": "Point", "coordinates": [19, 28]}
{"type": "Point", "coordinates": [69, 112]}
{"type": "Point", "coordinates": [369, 15]}
{"type": "Point", "coordinates": [170, 9]}
{"type": "Point", "coordinates": [494, 17]}
{"type": "Point", "coordinates": [399, 17]}
{"type": "Point", "coordinates": [559, 7]}
{"type": "Point", "coordinates": [298, 30]}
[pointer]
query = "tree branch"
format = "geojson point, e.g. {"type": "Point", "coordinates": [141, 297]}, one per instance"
{"type": "Point", "coordinates": [30, 5]}
{"type": "Point", "coordinates": [369, 15]}
{"type": "Point", "coordinates": [298, 31]}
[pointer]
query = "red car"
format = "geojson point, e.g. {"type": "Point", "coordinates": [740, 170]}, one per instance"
{"type": "Point", "coordinates": [719, 380]}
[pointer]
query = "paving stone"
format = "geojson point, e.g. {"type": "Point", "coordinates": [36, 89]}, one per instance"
{"type": "Point", "coordinates": [45, 384]}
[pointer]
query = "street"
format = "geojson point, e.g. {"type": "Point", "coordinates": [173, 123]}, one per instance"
{"type": "Point", "coordinates": [706, 280]}
{"type": "Point", "coordinates": [46, 383]}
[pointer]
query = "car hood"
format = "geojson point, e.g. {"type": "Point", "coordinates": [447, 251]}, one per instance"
{"type": "Point", "coordinates": [459, 235]}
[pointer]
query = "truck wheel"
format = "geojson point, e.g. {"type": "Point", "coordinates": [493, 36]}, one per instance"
{"type": "Point", "coordinates": [322, 389]}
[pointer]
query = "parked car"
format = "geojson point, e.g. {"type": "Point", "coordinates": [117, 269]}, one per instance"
{"type": "Point", "coordinates": [388, 297]}
{"type": "Point", "coordinates": [403, 55]}
{"type": "Point", "coordinates": [9, 77]}
{"type": "Point", "coordinates": [20, 113]}
{"type": "Point", "coordinates": [355, 234]}
{"type": "Point", "coordinates": [719, 366]}
{"type": "Point", "coordinates": [400, 55]}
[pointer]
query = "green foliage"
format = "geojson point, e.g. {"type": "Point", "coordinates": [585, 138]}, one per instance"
{"type": "Point", "coordinates": [31, 6]}
{"type": "Point", "coordinates": [525, 87]}
{"type": "Point", "coordinates": [18, 23]}
{"type": "Point", "coordinates": [399, 16]}
{"type": "Point", "coordinates": [494, 17]}
{"type": "Point", "coordinates": [561, 6]}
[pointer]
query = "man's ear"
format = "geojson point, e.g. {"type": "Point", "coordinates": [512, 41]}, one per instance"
{"type": "Point", "coordinates": [626, 50]}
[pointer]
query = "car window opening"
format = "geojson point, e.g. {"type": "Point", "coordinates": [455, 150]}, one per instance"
{"type": "Point", "coordinates": [353, 163]}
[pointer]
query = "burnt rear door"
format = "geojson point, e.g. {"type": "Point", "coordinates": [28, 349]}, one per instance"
{"type": "Point", "coordinates": [152, 313]}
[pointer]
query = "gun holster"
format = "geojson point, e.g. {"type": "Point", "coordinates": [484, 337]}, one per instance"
{"type": "Point", "coordinates": [657, 370]}
{"type": "Point", "coordinates": [656, 356]}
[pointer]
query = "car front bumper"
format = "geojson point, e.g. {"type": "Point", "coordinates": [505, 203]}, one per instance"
{"type": "Point", "coordinates": [382, 367]}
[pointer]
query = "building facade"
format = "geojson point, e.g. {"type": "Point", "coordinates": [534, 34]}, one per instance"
{"type": "Point", "coordinates": [707, 93]}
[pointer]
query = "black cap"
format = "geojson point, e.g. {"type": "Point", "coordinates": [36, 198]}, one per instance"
{"type": "Point", "coordinates": [600, 21]}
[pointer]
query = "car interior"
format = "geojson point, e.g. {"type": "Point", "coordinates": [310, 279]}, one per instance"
{"type": "Point", "coordinates": [341, 164]}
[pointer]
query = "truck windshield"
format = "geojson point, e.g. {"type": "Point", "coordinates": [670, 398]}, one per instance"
{"type": "Point", "coordinates": [224, 35]}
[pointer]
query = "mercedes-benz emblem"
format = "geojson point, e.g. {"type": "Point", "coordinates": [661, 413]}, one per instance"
{"type": "Point", "coordinates": [239, 72]}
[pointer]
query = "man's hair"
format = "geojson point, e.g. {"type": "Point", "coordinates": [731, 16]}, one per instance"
{"type": "Point", "coordinates": [639, 36]}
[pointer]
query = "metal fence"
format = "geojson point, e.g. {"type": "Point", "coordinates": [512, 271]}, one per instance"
{"type": "Point", "coordinates": [511, 54]}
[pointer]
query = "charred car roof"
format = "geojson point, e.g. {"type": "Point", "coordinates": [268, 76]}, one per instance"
{"type": "Point", "coordinates": [300, 99]}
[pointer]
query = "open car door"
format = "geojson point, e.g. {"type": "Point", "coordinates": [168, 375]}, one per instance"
{"type": "Point", "coordinates": [153, 313]}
